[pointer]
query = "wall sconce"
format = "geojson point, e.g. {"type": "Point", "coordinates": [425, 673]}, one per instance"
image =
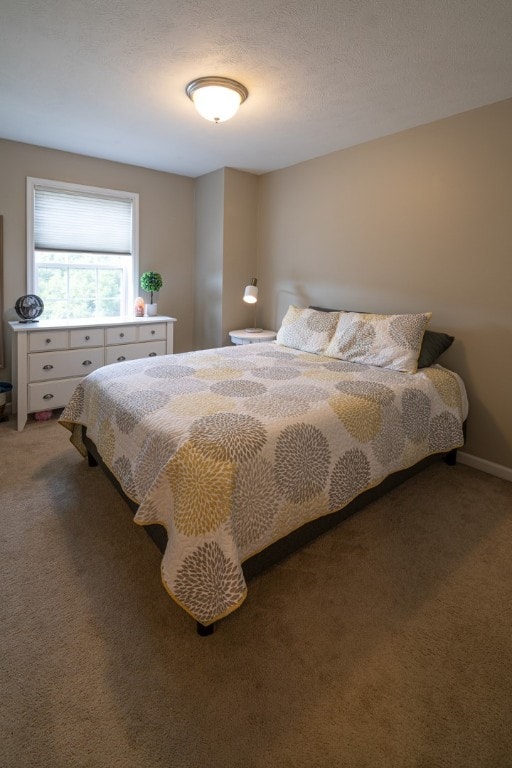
{"type": "Point", "coordinates": [216, 98]}
{"type": "Point", "coordinates": [251, 297]}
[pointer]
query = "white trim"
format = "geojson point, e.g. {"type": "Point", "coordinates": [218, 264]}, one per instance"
{"type": "Point", "coordinates": [498, 470]}
{"type": "Point", "coordinates": [32, 182]}
{"type": "Point", "coordinates": [135, 247]}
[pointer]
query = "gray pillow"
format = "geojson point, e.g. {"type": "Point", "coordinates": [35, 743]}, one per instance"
{"type": "Point", "coordinates": [433, 345]}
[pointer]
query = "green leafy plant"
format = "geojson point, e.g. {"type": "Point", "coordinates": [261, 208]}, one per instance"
{"type": "Point", "coordinates": [151, 282]}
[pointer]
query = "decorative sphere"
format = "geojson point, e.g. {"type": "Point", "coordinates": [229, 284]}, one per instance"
{"type": "Point", "coordinates": [29, 307]}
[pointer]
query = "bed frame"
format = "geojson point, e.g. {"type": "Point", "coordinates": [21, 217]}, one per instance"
{"type": "Point", "coordinates": [281, 549]}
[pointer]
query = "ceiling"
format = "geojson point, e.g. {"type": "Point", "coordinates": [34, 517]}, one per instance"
{"type": "Point", "coordinates": [107, 78]}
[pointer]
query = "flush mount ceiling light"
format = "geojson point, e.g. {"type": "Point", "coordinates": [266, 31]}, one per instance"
{"type": "Point", "coordinates": [216, 98]}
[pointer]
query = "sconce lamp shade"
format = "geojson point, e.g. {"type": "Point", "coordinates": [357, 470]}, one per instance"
{"type": "Point", "coordinates": [251, 297]}
{"type": "Point", "coordinates": [216, 98]}
{"type": "Point", "coordinates": [251, 292]}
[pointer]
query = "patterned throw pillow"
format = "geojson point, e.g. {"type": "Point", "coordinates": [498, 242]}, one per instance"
{"type": "Point", "coordinates": [388, 341]}
{"type": "Point", "coordinates": [307, 329]}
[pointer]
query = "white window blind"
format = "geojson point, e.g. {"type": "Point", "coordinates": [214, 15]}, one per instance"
{"type": "Point", "coordinates": [82, 248]}
{"type": "Point", "coordinates": [78, 222]}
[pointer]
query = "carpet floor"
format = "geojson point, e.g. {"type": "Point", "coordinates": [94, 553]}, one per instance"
{"type": "Point", "coordinates": [385, 643]}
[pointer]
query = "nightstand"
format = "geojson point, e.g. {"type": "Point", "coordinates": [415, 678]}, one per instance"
{"type": "Point", "coordinates": [246, 337]}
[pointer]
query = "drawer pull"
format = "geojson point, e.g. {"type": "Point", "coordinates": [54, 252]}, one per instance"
{"type": "Point", "coordinates": [86, 362]}
{"type": "Point", "coordinates": [47, 367]}
{"type": "Point", "coordinates": [121, 358]}
{"type": "Point", "coordinates": [47, 397]}
{"type": "Point", "coordinates": [121, 335]}
{"type": "Point", "coordinates": [48, 341]}
{"type": "Point", "coordinates": [152, 354]}
{"type": "Point", "coordinates": [87, 338]}
{"type": "Point", "coordinates": [153, 332]}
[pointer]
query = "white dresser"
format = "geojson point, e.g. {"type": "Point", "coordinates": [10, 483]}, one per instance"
{"type": "Point", "coordinates": [50, 358]}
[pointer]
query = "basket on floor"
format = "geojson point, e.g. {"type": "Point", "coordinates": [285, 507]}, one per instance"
{"type": "Point", "coordinates": [5, 387]}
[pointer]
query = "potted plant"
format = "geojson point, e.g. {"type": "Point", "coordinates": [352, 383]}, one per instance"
{"type": "Point", "coordinates": [151, 282]}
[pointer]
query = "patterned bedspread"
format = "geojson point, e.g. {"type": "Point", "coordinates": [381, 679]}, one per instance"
{"type": "Point", "coordinates": [231, 449]}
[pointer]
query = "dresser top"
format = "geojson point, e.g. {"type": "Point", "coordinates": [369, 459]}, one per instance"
{"type": "Point", "coordinates": [88, 322]}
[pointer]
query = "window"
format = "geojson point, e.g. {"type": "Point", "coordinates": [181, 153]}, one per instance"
{"type": "Point", "coordinates": [82, 249]}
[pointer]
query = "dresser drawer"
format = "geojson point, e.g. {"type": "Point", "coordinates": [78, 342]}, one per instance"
{"type": "Point", "coordinates": [121, 334]}
{"type": "Point", "coordinates": [86, 337]}
{"type": "Point", "coordinates": [134, 351]}
{"type": "Point", "coordinates": [152, 332]}
{"type": "Point", "coordinates": [59, 365]}
{"type": "Point", "coordinates": [41, 340]}
{"type": "Point", "coordinates": [52, 394]}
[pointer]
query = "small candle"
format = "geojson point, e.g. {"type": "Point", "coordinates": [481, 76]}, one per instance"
{"type": "Point", "coordinates": [139, 307]}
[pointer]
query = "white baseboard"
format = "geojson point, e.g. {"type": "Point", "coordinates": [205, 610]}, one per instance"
{"type": "Point", "coordinates": [485, 466]}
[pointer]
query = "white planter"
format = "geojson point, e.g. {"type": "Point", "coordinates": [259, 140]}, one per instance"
{"type": "Point", "coordinates": [151, 310]}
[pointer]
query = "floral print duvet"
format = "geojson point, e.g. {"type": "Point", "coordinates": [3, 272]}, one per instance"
{"type": "Point", "coordinates": [231, 449]}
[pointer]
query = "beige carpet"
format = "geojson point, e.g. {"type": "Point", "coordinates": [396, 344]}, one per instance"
{"type": "Point", "coordinates": [388, 642]}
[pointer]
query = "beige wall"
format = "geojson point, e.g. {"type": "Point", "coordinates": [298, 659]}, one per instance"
{"type": "Point", "coordinates": [240, 221]}
{"type": "Point", "coordinates": [166, 221]}
{"type": "Point", "coordinates": [226, 216]}
{"type": "Point", "coordinates": [209, 227]}
{"type": "Point", "coordinates": [421, 220]}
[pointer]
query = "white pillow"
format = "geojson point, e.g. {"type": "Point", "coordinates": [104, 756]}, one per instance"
{"type": "Point", "coordinates": [307, 329]}
{"type": "Point", "coordinates": [387, 341]}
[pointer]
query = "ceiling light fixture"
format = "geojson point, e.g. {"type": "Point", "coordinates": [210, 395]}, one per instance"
{"type": "Point", "coordinates": [216, 98]}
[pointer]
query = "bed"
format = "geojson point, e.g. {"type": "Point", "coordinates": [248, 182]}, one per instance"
{"type": "Point", "coordinates": [243, 453]}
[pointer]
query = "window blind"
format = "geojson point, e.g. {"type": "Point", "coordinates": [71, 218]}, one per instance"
{"type": "Point", "coordinates": [71, 221]}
